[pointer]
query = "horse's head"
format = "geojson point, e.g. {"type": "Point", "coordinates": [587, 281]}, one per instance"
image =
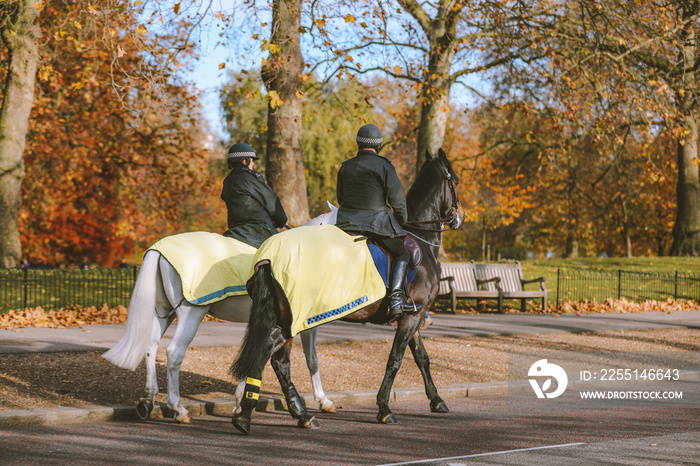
{"type": "Point", "coordinates": [451, 210]}
{"type": "Point", "coordinates": [329, 218]}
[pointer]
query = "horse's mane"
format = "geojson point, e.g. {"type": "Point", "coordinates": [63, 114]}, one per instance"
{"type": "Point", "coordinates": [421, 194]}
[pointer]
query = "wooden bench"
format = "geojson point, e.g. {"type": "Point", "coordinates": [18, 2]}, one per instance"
{"type": "Point", "coordinates": [488, 281]}
{"type": "Point", "coordinates": [459, 280]}
{"type": "Point", "coordinates": [512, 282]}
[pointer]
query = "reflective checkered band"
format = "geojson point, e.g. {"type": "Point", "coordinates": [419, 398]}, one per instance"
{"type": "Point", "coordinates": [252, 396]}
{"type": "Point", "coordinates": [371, 141]}
{"type": "Point", "coordinates": [233, 155]}
{"type": "Point", "coordinates": [335, 312]}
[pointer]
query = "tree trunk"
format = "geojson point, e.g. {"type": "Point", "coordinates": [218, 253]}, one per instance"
{"type": "Point", "coordinates": [441, 32]}
{"type": "Point", "coordinates": [435, 95]}
{"type": "Point", "coordinates": [433, 121]}
{"type": "Point", "coordinates": [483, 242]}
{"type": "Point", "coordinates": [20, 34]}
{"type": "Point", "coordinates": [626, 231]}
{"type": "Point", "coordinates": [572, 247]}
{"type": "Point", "coordinates": [281, 74]}
{"type": "Point", "coordinates": [686, 230]}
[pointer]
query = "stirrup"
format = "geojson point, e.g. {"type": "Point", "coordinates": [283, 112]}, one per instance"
{"type": "Point", "coordinates": [398, 307]}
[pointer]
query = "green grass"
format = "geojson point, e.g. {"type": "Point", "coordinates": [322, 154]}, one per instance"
{"type": "Point", "coordinates": [52, 289]}
{"type": "Point", "coordinates": [613, 264]}
{"type": "Point", "coordinates": [547, 268]}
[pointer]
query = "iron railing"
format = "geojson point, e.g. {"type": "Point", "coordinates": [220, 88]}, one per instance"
{"type": "Point", "coordinates": [53, 289]}
{"type": "Point", "coordinates": [580, 285]}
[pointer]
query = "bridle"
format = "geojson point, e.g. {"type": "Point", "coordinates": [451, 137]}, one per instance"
{"type": "Point", "coordinates": [451, 219]}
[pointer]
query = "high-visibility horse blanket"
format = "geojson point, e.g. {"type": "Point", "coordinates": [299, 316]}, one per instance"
{"type": "Point", "coordinates": [325, 273]}
{"type": "Point", "coordinates": [211, 266]}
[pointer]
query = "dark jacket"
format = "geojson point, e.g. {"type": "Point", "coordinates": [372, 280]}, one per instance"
{"type": "Point", "coordinates": [254, 210]}
{"type": "Point", "coordinates": [366, 184]}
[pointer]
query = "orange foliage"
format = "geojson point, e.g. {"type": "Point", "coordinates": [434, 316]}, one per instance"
{"type": "Point", "coordinates": [114, 155]}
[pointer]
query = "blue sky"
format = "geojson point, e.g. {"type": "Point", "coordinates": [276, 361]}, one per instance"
{"type": "Point", "coordinates": [208, 78]}
{"type": "Point", "coordinates": [215, 37]}
{"type": "Point", "coordinates": [241, 51]}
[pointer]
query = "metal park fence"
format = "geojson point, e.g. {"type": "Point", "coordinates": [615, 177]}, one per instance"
{"type": "Point", "coordinates": [580, 285]}
{"type": "Point", "coordinates": [52, 289]}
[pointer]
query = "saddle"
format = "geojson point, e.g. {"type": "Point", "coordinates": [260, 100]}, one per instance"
{"type": "Point", "coordinates": [383, 259]}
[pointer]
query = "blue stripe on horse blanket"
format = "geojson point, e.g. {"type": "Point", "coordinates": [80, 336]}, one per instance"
{"type": "Point", "coordinates": [382, 263]}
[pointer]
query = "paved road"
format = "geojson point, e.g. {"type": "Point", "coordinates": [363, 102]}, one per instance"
{"type": "Point", "coordinates": [481, 429]}
{"type": "Point", "coordinates": [103, 337]}
{"type": "Point", "coordinates": [491, 427]}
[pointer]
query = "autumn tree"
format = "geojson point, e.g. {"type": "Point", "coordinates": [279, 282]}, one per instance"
{"type": "Point", "coordinates": [432, 45]}
{"type": "Point", "coordinates": [109, 172]}
{"type": "Point", "coordinates": [640, 59]}
{"type": "Point", "coordinates": [20, 34]}
{"type": "Point", "coordinates": [599, 188]}
{"type": "Point", "coordinates": [115, 57]}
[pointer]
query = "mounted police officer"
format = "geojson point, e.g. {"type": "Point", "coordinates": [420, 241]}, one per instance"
{"type": "Point", "coordinates": [373, 202]}
{"type": "Point", "coordinates": [254, 210]}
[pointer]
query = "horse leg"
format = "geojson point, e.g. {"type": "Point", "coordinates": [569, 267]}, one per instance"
{"type": "Point", "coordinates": [253, 380]}
{"type": "Point", "coordinates": [437, 405]}
{"type": "Point", "coordinates": [145, 405]}
{"type": "Point", "coordinates": [238, 396]}
{"type": "Point", "coordinates": [407, 326]}
{"type": "Point", "coordinates": [295, 404]}
{"type": "Point", "coordinates": [188, 319]}
{"type": "Point", "coordinates": [308, 341]}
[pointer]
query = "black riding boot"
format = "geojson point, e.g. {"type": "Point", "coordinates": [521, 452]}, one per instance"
{"type": "Point", "coordinates": [398, 304]}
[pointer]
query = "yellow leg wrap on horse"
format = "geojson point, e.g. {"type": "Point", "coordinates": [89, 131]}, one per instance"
{"type": "Point", "coordinates": [252, 381]}
{"type": "Point", "coordinates": [252, 388]}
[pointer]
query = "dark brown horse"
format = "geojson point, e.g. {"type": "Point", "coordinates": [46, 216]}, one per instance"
{"type": "Point", "coordinates": [432, 202]}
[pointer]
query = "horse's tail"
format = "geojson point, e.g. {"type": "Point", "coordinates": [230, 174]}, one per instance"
{"type": "Point", "coordinates": [257, 344]}
{"type": "Point", "coordinates": [134, 343]}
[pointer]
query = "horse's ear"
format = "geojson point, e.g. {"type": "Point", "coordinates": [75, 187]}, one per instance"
{"type": "Point", "coordinates": [428, 157]}
{"type": "Point", "coordinates": [331, 206]}
{"type": "Point", "coordinates": [441, 154]}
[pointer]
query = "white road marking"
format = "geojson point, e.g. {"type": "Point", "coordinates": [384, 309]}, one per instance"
{"type": "Point", "coordinates": [485, 454]}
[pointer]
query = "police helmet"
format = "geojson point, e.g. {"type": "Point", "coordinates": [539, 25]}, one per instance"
{"type": "Point", "coordinates": [369, 136]}
{"type": "Point", "coordinates": [240, 151]}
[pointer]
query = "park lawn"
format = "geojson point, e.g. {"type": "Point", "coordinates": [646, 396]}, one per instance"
{"type": "Point", "coordinates": [547, 268]}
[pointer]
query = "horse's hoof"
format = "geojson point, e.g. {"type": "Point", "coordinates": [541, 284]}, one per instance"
{"type": "Point", "coordinates": [310, 423]}
{"type": "Point", "coordinates": [143, 409]}
{"type": "Point", "coordinates": [327, 407]}
{"type": "Point", "coordinates": [184, 419]}
{"type": "Point", "coordinates": [242, 424]}
{"type": "Point", "coordinates": [439, 407]}
{"type": "Point", "coordinates": [387, 418]}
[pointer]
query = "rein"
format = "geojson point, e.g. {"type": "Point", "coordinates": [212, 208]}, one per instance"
{"type": "Point", "coordinates": [426, 242]}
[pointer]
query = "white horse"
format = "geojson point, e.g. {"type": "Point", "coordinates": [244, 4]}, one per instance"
{"type": "Point", "coordinates": [156, 300]}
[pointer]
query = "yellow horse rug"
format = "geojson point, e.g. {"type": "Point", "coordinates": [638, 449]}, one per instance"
{"type": "Point", "coordinates": [211, 266]}
{"type": "Point", "coordinates": [325, 273]}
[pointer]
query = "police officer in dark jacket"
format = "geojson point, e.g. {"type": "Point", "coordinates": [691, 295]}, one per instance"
{"type": "Point", "coordinates": [254, 210]}
{"type": "Point", "coordinates": [373, 203]}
